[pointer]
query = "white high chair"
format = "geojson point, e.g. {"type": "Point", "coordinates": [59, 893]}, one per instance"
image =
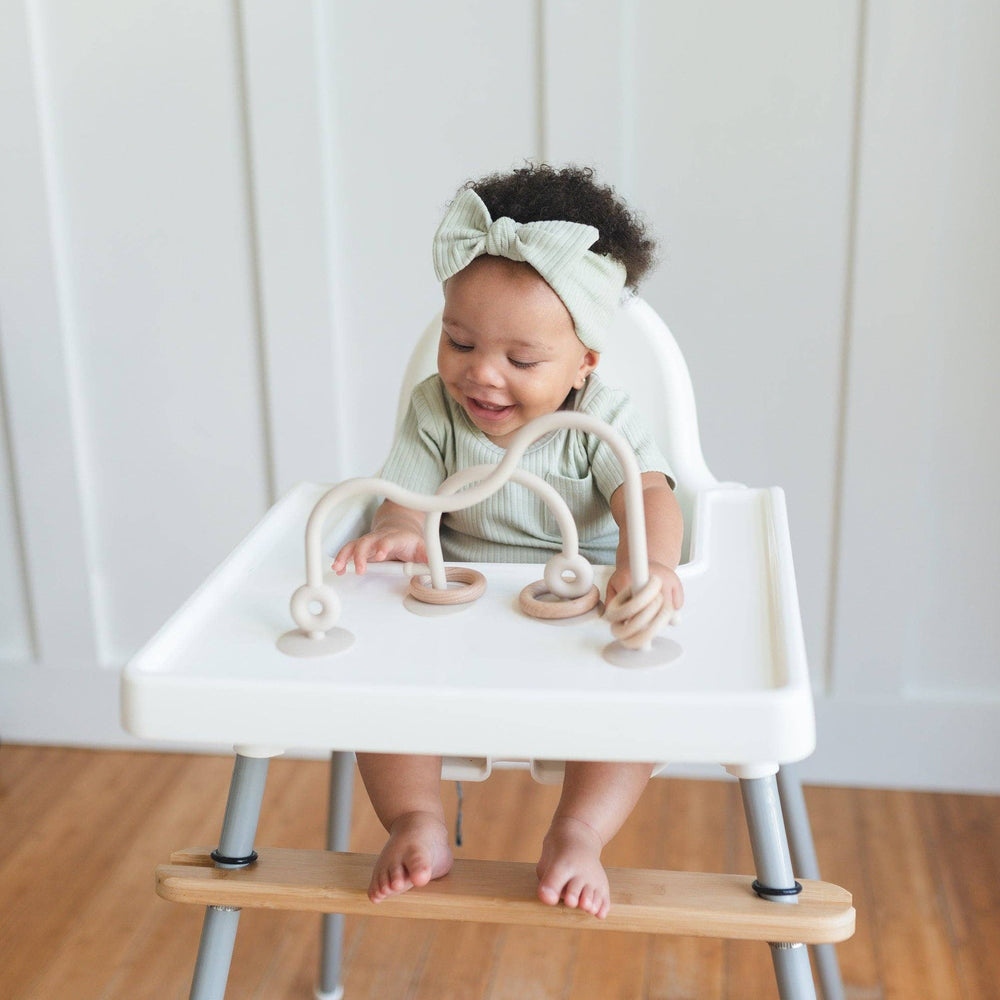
{"type": "Point", "coordinates": [738, 695]}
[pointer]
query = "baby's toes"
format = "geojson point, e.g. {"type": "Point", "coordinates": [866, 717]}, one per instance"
{"type": "Point", "coordinates": [562, 879]}
{"type": "Point", "coordinates": [595, 900]}
{"type": "Point", "coordinates": [418, 867]}
{"type": "Point", "coordinates": [573, 893]}
{"type": "Point", "coordinates": [398, 881]}
{"type": "Point", "coordinates": [384, 884]}
{"type": "Point", "coordinates": [550, 885]}
{"type": "Point", "coordinates": [385, 881]}
{"type": "Point", "coordinates": [376, 888]}
{"type": "Point", "coordinates": [548, 893]}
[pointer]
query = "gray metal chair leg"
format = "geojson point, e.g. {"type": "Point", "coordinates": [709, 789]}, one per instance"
{"type": "Point", "coordinates": [215, 953]}
{"type": "Point", "coordinates": [774, 877]}
{"type": "Point", "coordinates": [239, 827]}
{"type": "Point", "coordinates": [338, 832]}
{"type": "Point", "coordinates": [805, 865]}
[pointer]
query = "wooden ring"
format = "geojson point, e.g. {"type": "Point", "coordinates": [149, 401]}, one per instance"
{"type": "Point", "coordinates": [563, 608]}
{"type": "Point", "coordinates": [474, 585]}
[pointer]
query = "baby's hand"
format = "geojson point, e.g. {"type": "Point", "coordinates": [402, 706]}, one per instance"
{"type": "Point", "coordinates": [382, 544]}
{"type": "Point", "coordinates": [673, 589]}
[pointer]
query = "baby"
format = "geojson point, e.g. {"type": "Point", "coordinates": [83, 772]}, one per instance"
{"type": "Point", "coordinates": [533, 264]}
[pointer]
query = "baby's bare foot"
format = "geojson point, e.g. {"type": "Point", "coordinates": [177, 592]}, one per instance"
{"type": "Point", "coordinates": [570, 868]}
{"type": "Point", "coordinates": [416, 852]}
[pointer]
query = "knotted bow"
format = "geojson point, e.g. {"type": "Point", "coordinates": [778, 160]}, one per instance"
{"type": "Point", "coordinates": [590, 285]}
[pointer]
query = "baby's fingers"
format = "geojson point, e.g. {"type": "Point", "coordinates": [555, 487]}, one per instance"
{"type": "Point", "coordinates": [343, 557]}
{"type": "Point", "coordinates": [363, 552]}
{"type": "Point", "coordinates": [675, 598]}
{"type": "Point", "coordinates": [676, 591]}
{"type": "Point", "coordinates": [401, 546]}
{"type": "Point", "coordinates": [375, 547]}
{"type": "Point", "coordinates": [358, 550]}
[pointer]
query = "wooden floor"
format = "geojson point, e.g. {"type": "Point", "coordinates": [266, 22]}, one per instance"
{"type": "Point", "coordinates": [81, 831]}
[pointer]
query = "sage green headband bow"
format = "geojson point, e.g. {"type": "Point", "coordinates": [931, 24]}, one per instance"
{"type": "Point", "coordinates": [589, 285]}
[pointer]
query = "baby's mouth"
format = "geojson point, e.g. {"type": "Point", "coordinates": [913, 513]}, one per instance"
{"type": "Point", "coordinates": [487, 411]}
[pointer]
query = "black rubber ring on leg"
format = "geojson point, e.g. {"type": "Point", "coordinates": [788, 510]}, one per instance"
{"type": "Point", "coordinates": [221, 859]}
{"type": "Point", "coordinates": [764, 891]}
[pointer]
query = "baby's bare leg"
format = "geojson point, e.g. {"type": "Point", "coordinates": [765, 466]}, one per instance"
{"type": "Point", "coordinates": [405, 792]}
{"type": "Point", "coordinates": [596, 800]}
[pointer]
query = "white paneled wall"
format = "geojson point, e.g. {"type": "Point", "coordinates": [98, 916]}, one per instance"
{"type": "Point", "coordinates": [143, 122]}
{"type": "Point", "coordinates": [921, 535]}
{"type": "Point", "coordinates": [214, 254]}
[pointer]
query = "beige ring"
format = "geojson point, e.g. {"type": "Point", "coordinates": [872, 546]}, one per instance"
{"type": "Point", "coordinates": [563, 608]}
{"type": "Point", "coordinates": [474, 587]}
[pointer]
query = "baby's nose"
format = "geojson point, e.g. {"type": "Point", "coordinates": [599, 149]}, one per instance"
{"type": "Point", "coordinates": [483, 371]}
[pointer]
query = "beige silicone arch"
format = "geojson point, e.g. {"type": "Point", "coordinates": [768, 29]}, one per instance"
{"type": "Point", "coordinates": [570, 557]}
{"type": "Point", "coordinates": [315, 623]}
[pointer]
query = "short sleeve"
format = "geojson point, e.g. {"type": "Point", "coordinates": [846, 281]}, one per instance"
{"type": "Point", "coordinates": [417, 458]}
{"type": "Point", "coordinates": [614, 407]}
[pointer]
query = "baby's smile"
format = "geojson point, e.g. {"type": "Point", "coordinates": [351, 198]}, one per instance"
{"type": "Point", "coordinates": [487, 411]}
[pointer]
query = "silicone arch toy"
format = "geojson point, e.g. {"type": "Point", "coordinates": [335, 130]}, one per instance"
{"type": "Point", "coordinates": [636, 614]}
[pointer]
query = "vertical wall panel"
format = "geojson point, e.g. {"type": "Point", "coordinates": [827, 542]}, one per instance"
{"type": "Point", "coordinates": [919, 569]}
{"type": "Point", "coordinates": [447, 94]}
{"type": "Point", "coordinates": [730, 127]}
{"type": "Point", "coordinates": [146, 114]}
{"type": "Point", "coordinates": [39, 409]}
{"type": "Point", "coordinates": [589, 59]}
{"type": "Point", "coordinates": [295, 213]}
{"type": "Point", "coordinates": [746, 159]}
{"type": "Point", "coordinates": [16, 643]}
{"type": "Point", "coordinates": [959, 627]}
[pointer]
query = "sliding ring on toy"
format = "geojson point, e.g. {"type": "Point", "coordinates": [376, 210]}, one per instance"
{"type": "Point", "coordinates": [473, 585]}
{"type": "Point", "coordinates": [555, 579]}
{"type": "Point", "coordinates": [302, 608]}
{"type": "Point", "coordinates": [576, 595]}
{"type": "Point", "coordinates": [531, 603]}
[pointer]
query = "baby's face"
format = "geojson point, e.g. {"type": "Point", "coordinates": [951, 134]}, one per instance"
{"type": "Point", "coordinates": [509, 351]}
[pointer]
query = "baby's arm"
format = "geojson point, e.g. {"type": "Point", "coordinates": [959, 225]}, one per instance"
{"type": "Point", "coordinates": [396, 533]}
{"type": "Point", "coordinates": [664, 534]}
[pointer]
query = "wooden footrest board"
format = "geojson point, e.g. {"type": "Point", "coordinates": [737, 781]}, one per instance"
{"type": "Point", "coordinates": [504, 892]}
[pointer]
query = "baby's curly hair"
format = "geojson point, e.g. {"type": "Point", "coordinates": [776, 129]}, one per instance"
{"type": "Point", "coordinates": [539, 193]}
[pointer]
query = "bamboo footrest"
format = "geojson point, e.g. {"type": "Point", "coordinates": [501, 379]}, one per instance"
{"type": "Point", "coordinates": [504, 892]}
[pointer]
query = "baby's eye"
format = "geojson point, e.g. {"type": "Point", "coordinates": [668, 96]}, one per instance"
{"type": "Point", "coordinates": [457, 346]}
{"type": "Point", "coordinates": [522, 364]}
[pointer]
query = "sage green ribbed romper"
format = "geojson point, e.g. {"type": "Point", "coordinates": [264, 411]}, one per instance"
{"type": "Point", "coordinates": [513, 525]}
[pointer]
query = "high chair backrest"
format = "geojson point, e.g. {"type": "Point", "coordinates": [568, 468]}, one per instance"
{"type": "Point", "coordinates": [641, 357]}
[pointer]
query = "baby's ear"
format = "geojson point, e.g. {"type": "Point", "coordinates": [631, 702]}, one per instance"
{"type": "Point", "coordinates": [587, 364]}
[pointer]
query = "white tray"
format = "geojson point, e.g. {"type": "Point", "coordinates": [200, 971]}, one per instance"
{"type": "Point", "coordinates": [488, 681]}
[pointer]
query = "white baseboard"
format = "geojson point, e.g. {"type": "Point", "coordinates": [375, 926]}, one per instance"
{"type": "Point", "coordinates": [919, 743]}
